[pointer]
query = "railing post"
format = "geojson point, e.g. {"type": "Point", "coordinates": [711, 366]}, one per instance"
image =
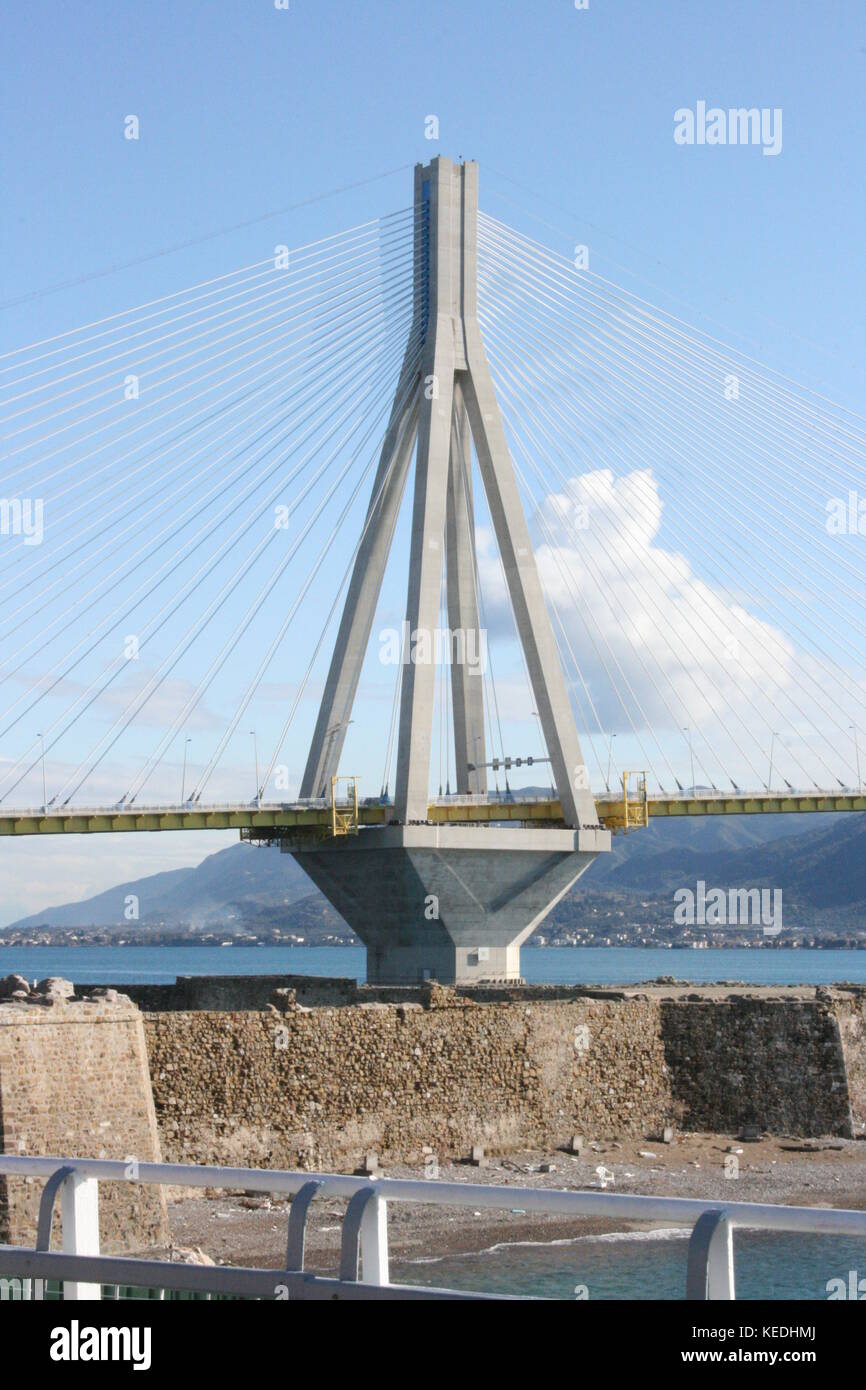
{"type": "Point", "coordinates": [45, 1219]}
{"type": "Point", "coordinates": [374, 1243]}
{"type": "Point", "coordinates": [720, 1263]}
{"type": "Point", "coordinates": [365, 1239]}
{"type": "Point", "coordinates": [79, 1210]}
{"type": "Point", "coordinates": [297, 1236]}
{"type": "Point", "coordinates": [711, 1258]}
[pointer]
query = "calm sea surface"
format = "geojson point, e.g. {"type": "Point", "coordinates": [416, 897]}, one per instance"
{"type": "Point", "coordinates": [653, 1265]}
{"type": "Point", "coordinates": [540, 965]}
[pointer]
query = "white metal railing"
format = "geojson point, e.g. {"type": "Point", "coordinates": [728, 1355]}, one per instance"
{"type": "Point", "coordinates": [364, 1264]}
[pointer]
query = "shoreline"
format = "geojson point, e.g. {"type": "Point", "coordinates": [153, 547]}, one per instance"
{"type": "Point", "coordinates": [233, 1228]}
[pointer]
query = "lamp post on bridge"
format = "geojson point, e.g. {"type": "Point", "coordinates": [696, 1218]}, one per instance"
{"type": "Point", "coordinates": [258, 798]}
{"type": "Point", "coordinates": [609, 759]}
{"type": "Point", "coordinates": [688, 731]}
{"type": "Point", "coordinates": [476, 739]}
{"type": "Point", "coordinates": [853, 728]}
{"type": "Point", "coordinates": [186, 744]}
{"type": "Point", "coordinates": [773, 736]}
{"type": "Point", "coordinates": [44, 793]}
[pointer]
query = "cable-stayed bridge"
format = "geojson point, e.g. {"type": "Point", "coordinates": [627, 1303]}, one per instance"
{"type": "Point", "coordinates": [634, 558]}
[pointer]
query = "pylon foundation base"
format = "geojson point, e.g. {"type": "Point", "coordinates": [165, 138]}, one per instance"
{"type": "Point", "coordinates": [449, 903]}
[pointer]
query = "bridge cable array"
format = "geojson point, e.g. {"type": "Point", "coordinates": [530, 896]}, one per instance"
{"type": "Point", "coordinates": [199, 462]}
{"type": "Point", "coordinates": [345, 307]}
{"type": "Point", "coordinates": [612, 406]}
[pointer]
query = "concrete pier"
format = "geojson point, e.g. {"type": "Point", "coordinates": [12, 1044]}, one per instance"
{"type": "Point", "coordinates": [451, 903]}
{"type": "Point", "coordinates": [448, 903]}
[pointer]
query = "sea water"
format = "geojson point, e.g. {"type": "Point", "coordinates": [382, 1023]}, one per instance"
{"type": "Point", "coordinates": [590, 965]}
{"type": "Point", "coordinates": [647, 1265]}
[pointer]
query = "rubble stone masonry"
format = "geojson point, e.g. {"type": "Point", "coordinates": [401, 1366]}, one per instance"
{"type": "Point", "coordinates": [74, 1082]}
{"type": "Point", "coordinates": [320, 1087]}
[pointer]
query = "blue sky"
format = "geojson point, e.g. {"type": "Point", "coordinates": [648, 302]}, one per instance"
{"type": "Point", "coordinates": [245, 108]}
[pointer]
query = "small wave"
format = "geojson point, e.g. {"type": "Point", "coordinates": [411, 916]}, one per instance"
{"type": "Point", "coordinates": [663, 1233]}
{"type": "Point", "coordinates": [610, 1237]}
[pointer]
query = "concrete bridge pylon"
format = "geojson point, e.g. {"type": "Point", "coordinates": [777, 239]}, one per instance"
{"type": "Point", "coordinates": [451, 902]}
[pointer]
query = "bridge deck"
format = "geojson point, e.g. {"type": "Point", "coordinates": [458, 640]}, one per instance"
{"type": "Point", "coordinates": [257, 821]}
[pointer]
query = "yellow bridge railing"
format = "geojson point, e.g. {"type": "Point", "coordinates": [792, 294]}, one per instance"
{"type": "Point", "coordinates": [617, 811]}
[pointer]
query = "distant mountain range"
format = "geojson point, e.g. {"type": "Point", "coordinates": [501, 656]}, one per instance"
{"type": "Point", "coordinates": [225, 891]}
{"type": "Point", "coordinates": [819, 863]}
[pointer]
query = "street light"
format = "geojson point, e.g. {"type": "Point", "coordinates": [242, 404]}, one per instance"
{"type": "Point", "coordinates": [256, 753]}
{"type": "Point", "coordinates": [44, 793]}
{"type": "Point", "coordinates": [187, 742]}
{"type": "Point", "coordinates": [609, 758]}
{"type": "Point", "coordinates": [774, 735]}
{"type": "Point", "coordinates": [853, 728]}
{"type": "Point", "coordinates": [688, 731]}
{"type": "Point", "coordinates": [552, 779]}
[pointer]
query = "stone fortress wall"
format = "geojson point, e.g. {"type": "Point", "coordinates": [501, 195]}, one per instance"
{"type": "Point", "coordinates": [294, 1072]}
{"type": "Point", "coordinates": [322, 1083]}
{"type": "Point", "coordinates": [74, 1080]}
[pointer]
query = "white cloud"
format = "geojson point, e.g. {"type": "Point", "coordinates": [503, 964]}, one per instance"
{"type": "Point", "coordinates": [638, 616]}
{"type": "Point", "coordinates": [162, 707]}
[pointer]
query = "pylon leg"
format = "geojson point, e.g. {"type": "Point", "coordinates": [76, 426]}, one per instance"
{"type": "Point", "coordinates": [524, 586]}
{"type": "Point", "coordinates": [469, 658]}
{"type": "Point", "coordinates": [363, 595]}
{"type": "Point", "coordinates": [425, 582]}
